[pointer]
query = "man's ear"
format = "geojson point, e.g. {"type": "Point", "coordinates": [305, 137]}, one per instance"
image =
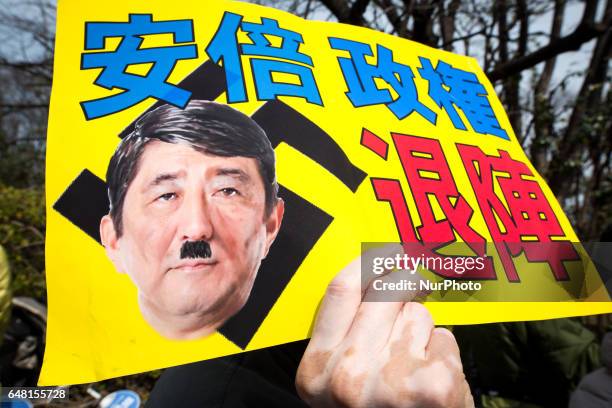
{"type": "Point", "coordinates": [273, 223]}
{"type": "Point", "coordinates": [108, 235]}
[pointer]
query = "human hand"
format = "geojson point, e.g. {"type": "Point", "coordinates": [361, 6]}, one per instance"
{"type": "Point", "coordinates": [379, 354]}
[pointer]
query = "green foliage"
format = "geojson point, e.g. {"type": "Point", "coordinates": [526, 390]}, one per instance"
{"type": "Point", "coordinates": [14, 154]}
{"type": "Point", "coordinates": [22, 226]}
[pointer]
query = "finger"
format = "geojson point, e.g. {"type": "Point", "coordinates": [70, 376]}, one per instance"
{"type": "Point", "coordinates": [379, 308]}
{"type": "Point", "coordinates": [340, 304]}
{"type": "Point", "coordinates": [411, 331]}
{"type": "Point", "coordinates": [373, 270]}
{"type": "Point", "coordinates": [468, 399]}
{"type": "Point", "coordinates": [443, 349]}
{"type": "Point", "coordinates": [396, 286]}
{"type": "Point", "coordinates": [372, 325]}
{"type": "Point", "coordinates": [443, 346]}
{"type": "Point", "coordinates": [338, 308]}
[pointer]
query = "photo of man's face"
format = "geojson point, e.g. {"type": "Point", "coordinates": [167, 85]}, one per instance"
{"type": "Point", "coordinates": [193, 229]}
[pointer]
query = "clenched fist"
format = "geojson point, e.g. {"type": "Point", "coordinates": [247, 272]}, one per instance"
{"type": "Point", "coordinates": [379, 354]}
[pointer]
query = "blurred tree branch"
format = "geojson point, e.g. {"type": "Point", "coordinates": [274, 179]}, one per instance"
{"type": "Point", "coordinates": [560, 114]}
{"type": "Point", "coordinates": [568, 130]}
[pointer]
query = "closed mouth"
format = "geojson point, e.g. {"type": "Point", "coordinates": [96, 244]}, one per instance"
{"type": "Point", "coordinates": [195, 265]}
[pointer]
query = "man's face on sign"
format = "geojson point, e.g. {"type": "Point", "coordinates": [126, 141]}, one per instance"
{"type": "Point", "coordinates": [194, 233]}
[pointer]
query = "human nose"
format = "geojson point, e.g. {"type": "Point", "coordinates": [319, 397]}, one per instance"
{"type": "Point", "coordinates": [196, 222]}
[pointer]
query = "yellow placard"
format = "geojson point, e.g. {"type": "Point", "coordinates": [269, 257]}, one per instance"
{"type": "Point", "coordinates": [377, 139]}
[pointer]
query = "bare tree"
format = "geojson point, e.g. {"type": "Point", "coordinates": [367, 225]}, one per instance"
{"type": "Point", "coordinates": [566, 130]}
{"type": "Point", "coordinates": [27, 35]}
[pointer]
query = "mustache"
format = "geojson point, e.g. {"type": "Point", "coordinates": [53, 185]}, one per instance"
{"type": "Point", "coordinates": [196, 249]}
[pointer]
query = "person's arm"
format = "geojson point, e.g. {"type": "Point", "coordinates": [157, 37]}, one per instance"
{"type": "Point", "coordinates": [379, 354]}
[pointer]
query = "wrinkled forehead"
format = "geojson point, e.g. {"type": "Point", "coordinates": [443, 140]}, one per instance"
{"type": "Point", "coordinates": [161, 158]}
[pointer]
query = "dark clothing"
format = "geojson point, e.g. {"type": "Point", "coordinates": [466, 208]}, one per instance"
{"type": "Point", "coordinates": [529, 362]}
{"type": "Point", "coordinates": [260, 378]}
{"type": "Point", "coordinates": [594, 391]}
{"type": "Point", "coordinates": [538, 362]}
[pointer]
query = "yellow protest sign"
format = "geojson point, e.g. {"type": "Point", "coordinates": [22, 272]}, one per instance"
{"type": "Point", "coordinates": [165, 243]}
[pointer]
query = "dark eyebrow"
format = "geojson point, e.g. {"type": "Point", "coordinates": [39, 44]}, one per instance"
{"type": "Point", "coordinates": [163, 177]}
{"type": "Point", "coordinates": [240, 174]}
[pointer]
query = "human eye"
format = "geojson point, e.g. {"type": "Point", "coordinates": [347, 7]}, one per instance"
{"type": "Point", "coordinates": [166, 197]}
{"type": "Point", "coordinates": [229, 191]}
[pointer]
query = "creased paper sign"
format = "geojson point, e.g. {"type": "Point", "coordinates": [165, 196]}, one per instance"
{"type": "Point", "coordinates": [172, 125]}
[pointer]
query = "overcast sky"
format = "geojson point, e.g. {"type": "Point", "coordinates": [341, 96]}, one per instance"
{"type": "Point", "coordinates": [18, 43]}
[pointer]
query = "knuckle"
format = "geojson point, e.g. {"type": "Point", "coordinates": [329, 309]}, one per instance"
{"type": "Point", "coordinates": [442, 396]}
{"type": "Point", "coordinates": [417, 312]}
{"type": "Point", "coordinates": [447, 338]}
{"type": "Point", "coordinates": [342, 286]}
{"type": "Point", "coordinates": [305, 391]}
{"type": "Point", "coordinates": [305, 384]}
{"type": "Point", "coordinates": [307, 378]}
{"type": "Point", "coordinates": [345, 387]}
{"type": "Point", "coordinates": [444, 332]}
{"type": "Point", "coordinates": [338, 393]}
{"type": "Point", "coordinates": [448, 390]}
